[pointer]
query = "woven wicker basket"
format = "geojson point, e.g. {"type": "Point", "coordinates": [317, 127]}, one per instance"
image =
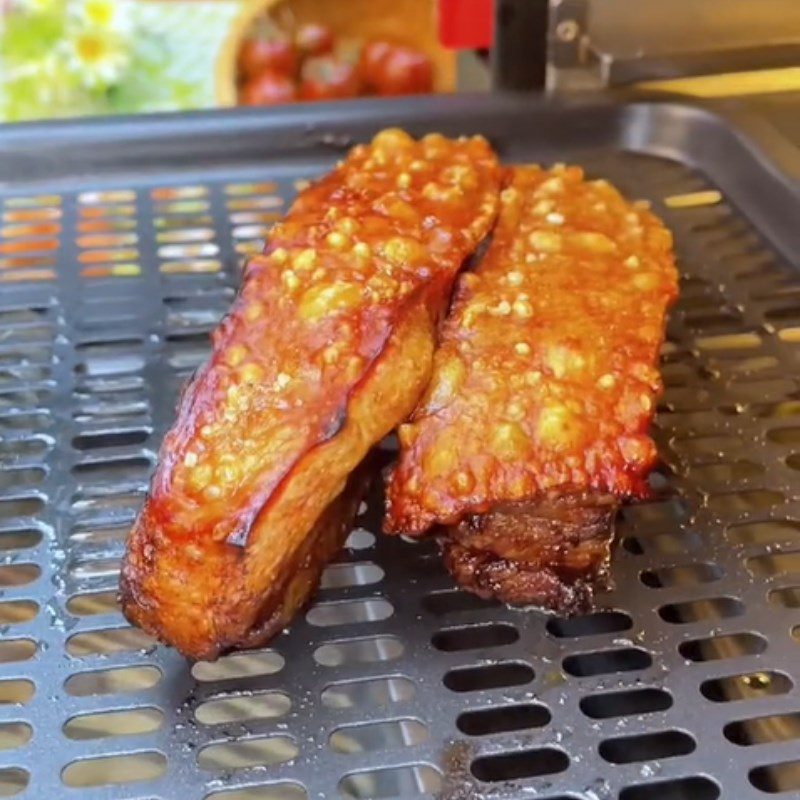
{"type": "Point", "coordinates": [410, 22]}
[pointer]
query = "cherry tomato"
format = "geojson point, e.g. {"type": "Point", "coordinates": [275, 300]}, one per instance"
{"type": "Point", "coordinates": [267, 89]}
{"type": "Point", "coordinates": [274, 53]}
{"type": "Point", "coordinates": [372, 56]}
{"type": "Point", "coordinates": [313, 39]}
{"type": "Point", "coordinates": [404, 71]}
{"type": "Point", "coordinates": [328, 78]}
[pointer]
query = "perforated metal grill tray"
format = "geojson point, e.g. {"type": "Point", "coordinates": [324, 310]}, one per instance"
{"type": "Point", "coordinates": [119, 252]}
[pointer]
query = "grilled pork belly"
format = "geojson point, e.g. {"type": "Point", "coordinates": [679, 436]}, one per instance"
{"type": "Point", "coordinates": [534, 427]}
{"type": "Point", "coordinates": [328, 346]}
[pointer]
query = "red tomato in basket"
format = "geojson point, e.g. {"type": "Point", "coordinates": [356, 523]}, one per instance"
{"type": "Point", "coordinates": [404, 71]}
{"type": "Point", "coordinates": [257, 55]}
{"type": "Point", "coordinates": [372, 56]}
{"type": "Point", "coordinates": [328, 78]}
{"type": "Point", "coordinates": [313, 39]}
{"type": "Point", "coordinates": [268, 89]}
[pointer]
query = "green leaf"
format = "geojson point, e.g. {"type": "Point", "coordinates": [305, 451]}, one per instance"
{"type": "Point", "coordinates": [29, 37]}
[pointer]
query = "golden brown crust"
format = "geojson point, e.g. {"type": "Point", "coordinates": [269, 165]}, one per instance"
{"type": "Point", "coordinates": [534, 426]}
{"type": "Point", "coordinates": [327, 347]}
{"type": "Point", "coordinates": [545, 380]}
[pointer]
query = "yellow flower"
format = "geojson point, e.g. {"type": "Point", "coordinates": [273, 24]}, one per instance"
{"type": "Point", "coordinates": [105, 15]}
{"type": "Point", "coordinates": [97, 57]}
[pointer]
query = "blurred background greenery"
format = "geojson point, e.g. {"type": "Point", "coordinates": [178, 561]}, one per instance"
{"type": "Point", "coordinates": [76, 57]}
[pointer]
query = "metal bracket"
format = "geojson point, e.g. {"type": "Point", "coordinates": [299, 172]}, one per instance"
{"type": "Point", "coordinates": [567, 37]}
{"type": "Point", "coordinates": [570, 59]}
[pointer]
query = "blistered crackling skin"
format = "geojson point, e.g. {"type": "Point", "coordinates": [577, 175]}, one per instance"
{"type": "Point", "coordinates": [327, 347]}
{"type": "Point", "coordinates": [545, 382]}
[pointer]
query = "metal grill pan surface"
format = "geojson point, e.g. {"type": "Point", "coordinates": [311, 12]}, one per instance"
{"type": "Point", "coordinates": [120, 249]}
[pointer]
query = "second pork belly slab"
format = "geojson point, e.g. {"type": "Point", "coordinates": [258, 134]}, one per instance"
{"type": "Point", "coordinates": [534, 428]}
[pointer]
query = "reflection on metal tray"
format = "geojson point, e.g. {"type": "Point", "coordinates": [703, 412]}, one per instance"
{"type": "Point", "coordinates": [119, 252]}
